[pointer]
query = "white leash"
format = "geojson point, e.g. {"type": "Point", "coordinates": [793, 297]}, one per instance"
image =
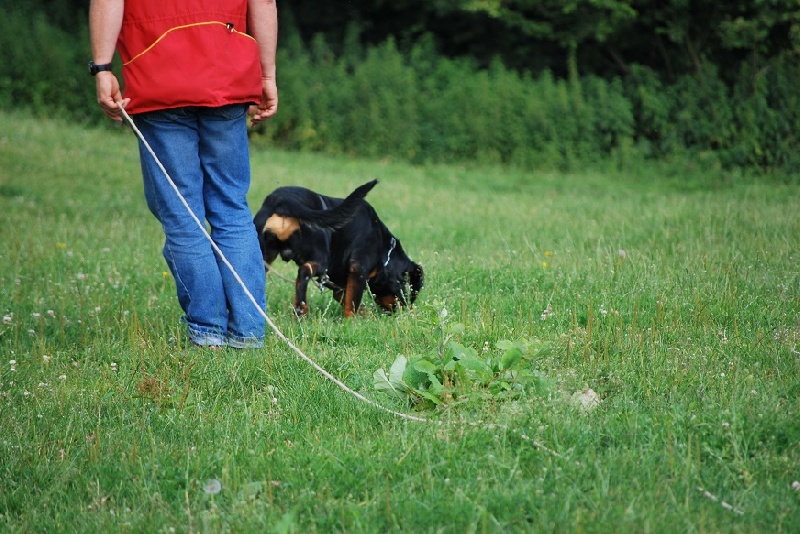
{"type": "Point", "coordinates": [263, 313]}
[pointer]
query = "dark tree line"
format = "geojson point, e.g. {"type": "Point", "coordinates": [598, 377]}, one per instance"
{"type": "Point", "coordinates": [601, 37]}
{"type": "Point", "coordinates": [560, 81]}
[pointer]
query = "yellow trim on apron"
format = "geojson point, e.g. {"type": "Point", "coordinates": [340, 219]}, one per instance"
{"type": "Point", "coordinates": [146, 50]}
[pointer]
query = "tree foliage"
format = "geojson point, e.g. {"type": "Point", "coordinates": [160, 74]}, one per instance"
{"type": "Point", "coordinates": [604, 37]}
{"type": "Point", "coordinates": [537, 83]}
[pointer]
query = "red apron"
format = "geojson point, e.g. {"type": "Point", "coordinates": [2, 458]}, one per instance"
{"type": "Point", "coordinates": [179, 53]}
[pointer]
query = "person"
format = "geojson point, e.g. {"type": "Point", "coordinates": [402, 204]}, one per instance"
{"type": "Point", "coordinates": [193, 70]}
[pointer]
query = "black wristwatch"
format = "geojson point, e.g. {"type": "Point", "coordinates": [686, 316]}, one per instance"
{"type": "Point", "coordinates": [94, 69]}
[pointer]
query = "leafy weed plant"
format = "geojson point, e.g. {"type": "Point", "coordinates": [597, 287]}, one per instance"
{"type": "Point", "coordinates": [455, 372]}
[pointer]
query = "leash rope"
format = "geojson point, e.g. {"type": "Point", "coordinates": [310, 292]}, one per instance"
{"type": "Point", "coordinates": [271, 270]}
{"type": "Point", "coordinates": [252, 299]}
{"type": "Point", "coordinates": [536, 443]}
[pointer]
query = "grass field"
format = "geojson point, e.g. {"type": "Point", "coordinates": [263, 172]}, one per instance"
{"type": "Point", "coordinates": [675, 298]}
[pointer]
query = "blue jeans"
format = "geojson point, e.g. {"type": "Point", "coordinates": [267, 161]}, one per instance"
{"type": "Point", "coordinates": [205, 152]}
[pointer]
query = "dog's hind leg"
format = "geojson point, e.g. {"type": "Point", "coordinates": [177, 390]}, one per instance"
{"type": "Point", "coordinates": [304, 274]}
{"type": "Point", "coordinates": [354, 290]}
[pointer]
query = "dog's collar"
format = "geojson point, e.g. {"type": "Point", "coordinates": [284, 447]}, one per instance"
{"type": "Point", "coordinates": [391, 249]}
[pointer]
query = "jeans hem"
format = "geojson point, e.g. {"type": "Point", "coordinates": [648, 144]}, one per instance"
{"type": "Point", "coordinates": [205, 339]}
{"type": "Point", "coordinates": [245, 342]}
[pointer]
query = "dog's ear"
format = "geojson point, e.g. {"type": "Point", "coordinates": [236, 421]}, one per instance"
{"type": "Point", "coordinates": [416, 279]}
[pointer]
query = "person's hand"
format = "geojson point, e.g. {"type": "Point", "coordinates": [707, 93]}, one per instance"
{"type": "Point", "coordinates": [269, 102]}
{"type": "Point", "coordinates": [108, 94]}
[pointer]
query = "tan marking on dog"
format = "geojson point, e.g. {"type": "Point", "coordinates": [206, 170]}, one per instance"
{"type": "Point", "coordinates": [349, 294]}
{"type": "Point", "coordinates": [281, 227]}
{"type": "Point", "coordinates": [389, 302]}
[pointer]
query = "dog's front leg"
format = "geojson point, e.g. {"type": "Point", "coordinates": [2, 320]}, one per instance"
{"type": "Point", "coordinates": [304, 274]}
{"type": "Point", "coordinates": [354, 290]}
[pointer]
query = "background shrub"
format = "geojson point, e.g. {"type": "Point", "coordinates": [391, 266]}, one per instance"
{"type": "Point", "coordinates": [412, 103]}
{"type": "Point", "coordinates": [42, 67]}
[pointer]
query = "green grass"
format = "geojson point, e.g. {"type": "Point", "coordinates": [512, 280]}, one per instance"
{"type": "Point", "coordinates": [675, 298]}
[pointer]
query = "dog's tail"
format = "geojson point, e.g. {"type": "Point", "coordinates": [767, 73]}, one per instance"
{"type": "Point", "coordinates": [334, 217]}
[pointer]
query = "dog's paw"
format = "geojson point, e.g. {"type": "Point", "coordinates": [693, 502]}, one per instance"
{"type": "Point", "coordinates": [301, 310]}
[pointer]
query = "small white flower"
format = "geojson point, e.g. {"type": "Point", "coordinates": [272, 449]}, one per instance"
{"type": "Point", "coordinates": [12, 362]}
{"type": "Point", "coordinates": [80, 276]}
{"type": "Point", "coordinates": [212, 486]}
{"type": "Point", "coordinates": [45, 357]}
{"type": "Point", "coordinates": [586, 400]}
{"type": "Point", "coordinates": [62, 377]}
{"type": "Point", "coordinates": [8, 318]}
{"type": "Point", "coordinates": [36, 315]}
{"type": "Point", "coordinates": [796, 485]}
{"type": "Point", "coordinates": [51, 313]}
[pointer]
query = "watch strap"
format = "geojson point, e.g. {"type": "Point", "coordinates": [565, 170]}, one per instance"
{"type": "Point", "coordinates": [95, 68]}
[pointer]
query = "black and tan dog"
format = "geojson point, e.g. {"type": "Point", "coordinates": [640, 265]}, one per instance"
{"type": "Point", "coordinates": [341, 243]}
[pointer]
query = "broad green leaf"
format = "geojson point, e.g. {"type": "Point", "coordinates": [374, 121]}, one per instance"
{"type": "Point", "coordinates": [455, 328]}
{"type": "Point", "coordinates": [499, 386]}
{"type": "Point", "coordinates": [424, 366]}
{"type": "Point", "coordinates": [457, 351]}
{"type": "Point", "coordinates": [396, 371]}
{"type": "Point", "coordinates": [381, 383]}
{"type": "Point", "coordinates": [414, 376]}
{"type": "Point", "coordinates": [430, 396]}
{"type": "Point", "coordinates": [435, 386]}
{"type": "Point", "coordinates": [479, 367]}
{"type": "Point", "coordinates": [461, 376]}
{"type": "Point", "coordinates": [511, 357]}
{"type": "Point", "coordinates": [505, 344]}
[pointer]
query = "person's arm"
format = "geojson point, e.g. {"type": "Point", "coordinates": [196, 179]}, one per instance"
{"type": "Point", "coordinates": [262, 24]}
{"type": "Point", "coordinates": [105, 22]}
